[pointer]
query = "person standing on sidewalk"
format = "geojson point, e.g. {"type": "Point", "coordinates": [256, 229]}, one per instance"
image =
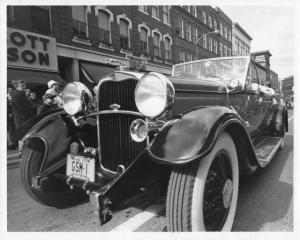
{"type": "Point", "coordinates": [21, 107]}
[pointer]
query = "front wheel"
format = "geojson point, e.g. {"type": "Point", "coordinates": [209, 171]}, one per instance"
{"type": "Point", "coordinates": [53, 192]}
{"type": "Point", "coordinates": [202, 196]}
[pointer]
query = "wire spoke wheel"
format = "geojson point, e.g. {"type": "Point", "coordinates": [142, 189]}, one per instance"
{"type": "Point", "coordinates": [217, 192]}
{"type": "Point", "coordinates": [202, 195]}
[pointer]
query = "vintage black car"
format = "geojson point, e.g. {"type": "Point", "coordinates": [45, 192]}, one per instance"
{"type": "Point", "coordinates": [194, 133]}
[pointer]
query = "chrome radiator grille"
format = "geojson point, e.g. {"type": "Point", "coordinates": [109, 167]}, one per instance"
{"type": "Point", "coordinates": [117, 147]}
{"type": "Point", "coordinates": [122, 93]}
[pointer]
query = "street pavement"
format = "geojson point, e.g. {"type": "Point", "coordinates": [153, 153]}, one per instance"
{"type": "Point", "coordinates": [265, 203]}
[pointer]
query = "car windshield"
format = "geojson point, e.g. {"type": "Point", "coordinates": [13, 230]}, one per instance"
{"type": "Point", "coordinates": [220, 69]}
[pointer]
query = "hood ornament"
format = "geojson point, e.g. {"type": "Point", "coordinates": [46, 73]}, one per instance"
{"type": "Point", "coordinates": [114, 107]}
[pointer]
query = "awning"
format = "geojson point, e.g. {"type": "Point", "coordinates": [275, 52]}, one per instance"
{"type": "Point", "coordinates": [96, 71]}
{"type": "Point", "coordinates": [33, 77]}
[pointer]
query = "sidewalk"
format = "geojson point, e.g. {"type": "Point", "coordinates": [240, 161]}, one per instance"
{"type": "Point", "coordinates": [13, 158]}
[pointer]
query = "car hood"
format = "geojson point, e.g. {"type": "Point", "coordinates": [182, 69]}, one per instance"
{"type": "Point", "coordinates": [208, 85]}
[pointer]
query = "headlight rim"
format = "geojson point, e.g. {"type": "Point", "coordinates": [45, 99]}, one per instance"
{"type": "Point", "coordinates": [170, 93]}
{"type": "Point", "coordinates": [85, 98]}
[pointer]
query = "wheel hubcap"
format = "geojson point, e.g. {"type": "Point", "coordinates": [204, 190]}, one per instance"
{"type": "Point", "coordinates": [227, 193]}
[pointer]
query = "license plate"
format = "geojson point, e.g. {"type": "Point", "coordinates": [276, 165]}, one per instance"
{"type": "Point", "coordinates": [81, 167]}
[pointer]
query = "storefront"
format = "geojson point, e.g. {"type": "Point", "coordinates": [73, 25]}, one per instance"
{"type": "Point", "coordinates": [33, 58]}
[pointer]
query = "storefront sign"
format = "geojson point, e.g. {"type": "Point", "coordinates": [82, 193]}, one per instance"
{"type": "Point", "coordinates": [136, 62]}
{"type": "Point", "coordinates": [31, 50]}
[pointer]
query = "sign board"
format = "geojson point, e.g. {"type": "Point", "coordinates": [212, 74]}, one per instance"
{"type": "Point", "coordinates": [31, 50]}
{"type": "Point", "coordinates": [138, 63]}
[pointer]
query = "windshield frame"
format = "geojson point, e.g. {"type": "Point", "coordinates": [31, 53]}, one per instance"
{"type": "Point", "coordinates": [244, 76]}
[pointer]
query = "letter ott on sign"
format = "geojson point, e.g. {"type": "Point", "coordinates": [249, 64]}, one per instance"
{"type": "Point", "coordinates": [31, 50]}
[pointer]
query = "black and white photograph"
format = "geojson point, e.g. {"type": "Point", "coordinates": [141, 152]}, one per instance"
{"type": "Point", "coordinates": [122, 117]}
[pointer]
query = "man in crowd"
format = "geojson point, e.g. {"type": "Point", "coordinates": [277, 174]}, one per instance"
{"type": "Point", "coordinates": [54, 90]}
{"type": "Point", "coordinates": [21, 108]}
{"type": "Point", "coordinates": [48, 103]}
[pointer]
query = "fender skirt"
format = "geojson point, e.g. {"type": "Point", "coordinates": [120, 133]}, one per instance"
{"type": "Point", "coordinates": [194, 133]}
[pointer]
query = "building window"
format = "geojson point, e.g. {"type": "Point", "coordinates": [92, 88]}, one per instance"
{"type": "Point", "coordinates": [180, 27]}
{"type": "Point", "coordinates": [104, 27]}
{"type": "Point", "coordinates": [221, 28]}
{"type": "Point", "coordinates": [194, 34]}
{"type": "Point", "coordinates": [79, 19]}
{"type": "Point", "coordinates": [215, 46]}
{"type": "Point", "coordinates": [225, 51]}
{"type": "Point", "coordinates": [204, 16]}
{"type": "Point", "coordinates": [215, 24]}
{"type": "Point", "coordinates": [156, 43]}
{"type": "Point", "coordinates": [225, 32]}
{"type": "Point", "coordinates": [188, 32]}
{"type": "Point", "coordinates": [221, 49]}
{"type": "Point", "coordinates": [124, 34]}
{"type": "Point", "coordinates": [155, 12]}
{"type": "Point", "coordinates": [210, 21]}
{"type": "Point", "coordinates": [143, 8]}
{"type": "Point", "coordinates": [10, 14]}
{"type": "Point", "coordinates": [188, 58]}
{"type": "Point", "coordinates": [229, 35]}
{"type": "Point", "coordinates": [144, 40]}
{"type": "Point", "coordinates": [205, 41]}
{"type": "Point", "coordinates": [186, 8]}
{"type": "Point", "coordinates": [166, 14]}
{"type": "Point", "coordinates": [229, 52]}
{"type": "Point", "coordinates": [193, 11]}
{"type": "Point", "coordinates": [181, 56]}
{"type": "Point", "coordinates": [40, 18]}
{"type": "Point", "coordinates": [167, 49]}
{"type": "Point", "coordinates": [210, 44]}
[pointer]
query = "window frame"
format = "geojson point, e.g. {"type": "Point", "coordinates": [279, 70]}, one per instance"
{"type": "Point", "coordinates": [168, 15]}
{"type": "Point", "coordinates": [157, 10]}
{"type": "Point", "coordinates": [157, 32]}
{"type": "Point", "coordinates": [110, 20]}
{"type": "Point", "coordinates": [79, 39]}
{"type": "Point", "coordinates": [144, 26]}
{"type": "Point", "coordinates": [142, 9]}
{"type": "Point", "coordinates": [34, 27]}
{"type": "Point", "coordinates": [166, 38]}
{"type": "Point", "coordinates": [125, 18]}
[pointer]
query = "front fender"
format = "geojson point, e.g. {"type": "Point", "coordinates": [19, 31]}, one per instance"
{"type": "Point", "coordinates": [192, 135]}
{"type": "Point", "coordinates": [56, 132]}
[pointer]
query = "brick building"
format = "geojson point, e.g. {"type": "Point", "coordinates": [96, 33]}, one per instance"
{"type": "Point", "coordinates": [86, 42]}
{"type": "Point", "coordinates": [241, 41]}
{"type": "Point", "coordinates": [192, 32]}
{"type": "Point", "coordinates": [287, 87]}
{"type": "Point", "coordinates": [265, 73]}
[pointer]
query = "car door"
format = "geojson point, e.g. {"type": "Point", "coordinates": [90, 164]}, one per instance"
{"type": "Point", "coordinates": [251, 104]}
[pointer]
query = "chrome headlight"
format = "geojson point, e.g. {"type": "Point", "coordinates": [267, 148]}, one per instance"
{"type": "Point", "coordinates": [154, 94]}
{"type": "Point", "coordinates": [76, 98]}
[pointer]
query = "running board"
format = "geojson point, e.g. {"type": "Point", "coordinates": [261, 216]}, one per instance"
{"type": "Point", "coordinates": [266, 149]}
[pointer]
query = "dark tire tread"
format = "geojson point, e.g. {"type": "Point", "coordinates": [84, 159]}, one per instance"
{"type": "Point", "coordinates": [60, 197]}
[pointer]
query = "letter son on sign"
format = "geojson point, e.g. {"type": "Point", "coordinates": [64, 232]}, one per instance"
{"type": "Point", "coordinates": [31, 50]}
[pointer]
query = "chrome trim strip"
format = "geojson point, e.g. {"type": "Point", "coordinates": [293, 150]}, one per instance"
{"type": "Point", "coordinates": [105, 112]}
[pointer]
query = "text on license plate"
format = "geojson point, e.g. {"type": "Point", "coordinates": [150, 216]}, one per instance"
{"type": "Point", "coordinates": [81, 167]}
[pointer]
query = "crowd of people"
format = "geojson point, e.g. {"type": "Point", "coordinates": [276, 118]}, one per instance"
{"type": "Point", "coordinates": [23, 104]}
